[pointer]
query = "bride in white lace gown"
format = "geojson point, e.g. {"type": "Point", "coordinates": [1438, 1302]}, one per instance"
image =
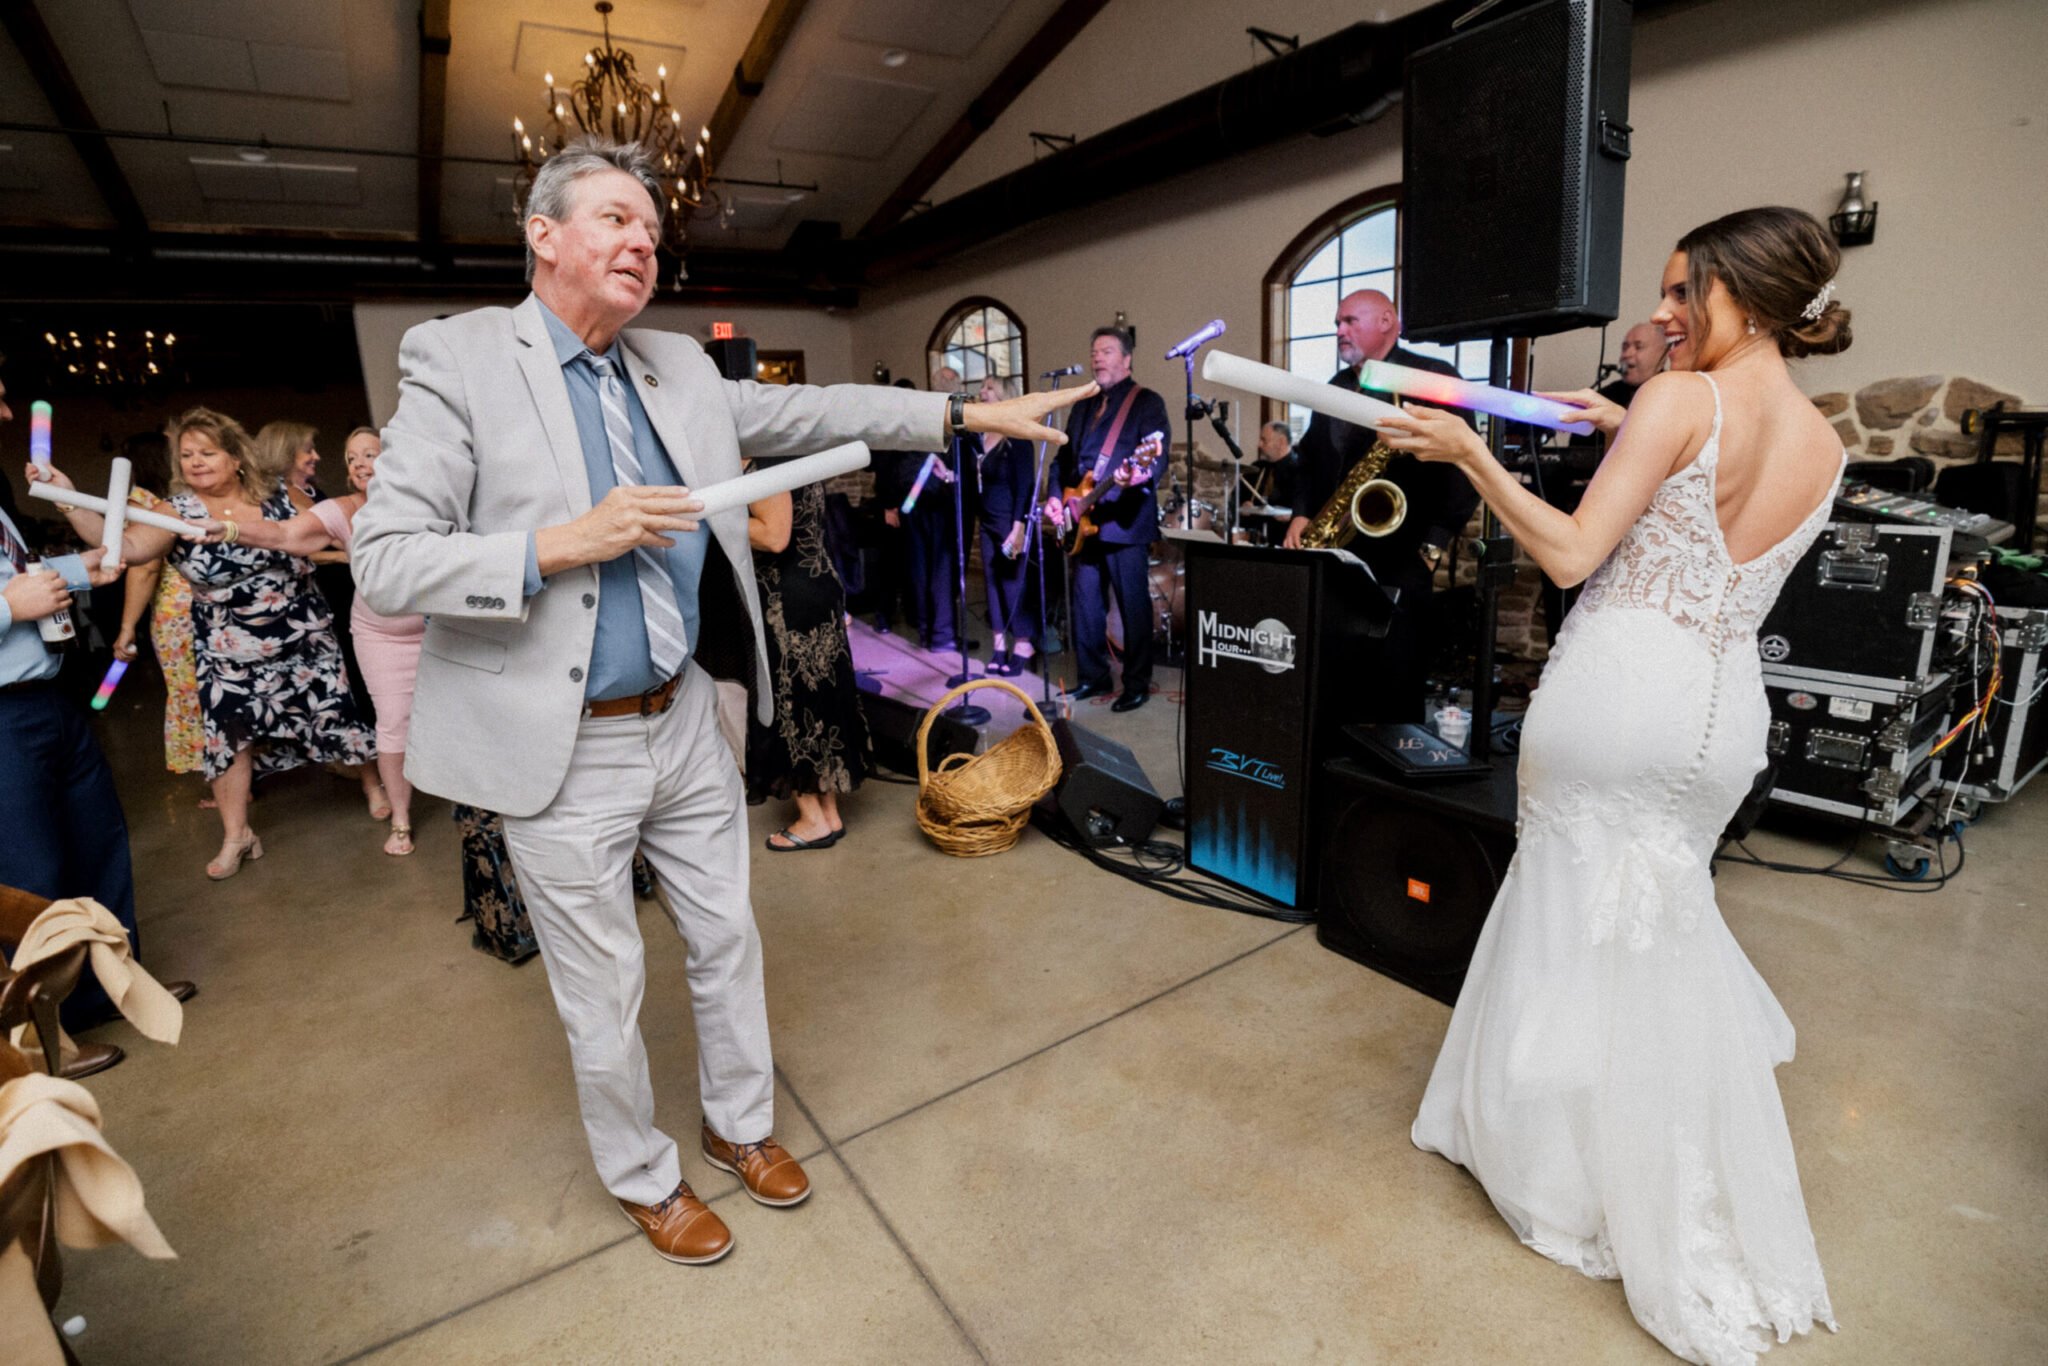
{"type": "Point", "coordinates": [1608, 1074]}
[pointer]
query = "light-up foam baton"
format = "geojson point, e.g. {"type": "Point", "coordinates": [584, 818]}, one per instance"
{"type": "Point", "coordinates": [781, 478]}
{"type": "Point", "coordinates": [109, 683]}
{"type": "Point", "coordinates": [39, 432]}
{"type": "Point", "coordinates": [931, 462]}
{"type": "Point", "coordinates": [1450, 392]}
{"type": "Point", "coordinates": [50, 493]}
{"type": "Point", "coordinates": [1284, 386]}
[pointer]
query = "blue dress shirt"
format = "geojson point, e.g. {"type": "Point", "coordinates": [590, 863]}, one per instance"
{"type": "Point", "coordinates": [620, 661]}
{"type": "Point", "coordinates": [22, 656]}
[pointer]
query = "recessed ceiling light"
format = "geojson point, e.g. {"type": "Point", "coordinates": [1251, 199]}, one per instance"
{"type": "Point", "coordinates": [895, 57]}
{"type": "Point", "coordinates": [252, 154]}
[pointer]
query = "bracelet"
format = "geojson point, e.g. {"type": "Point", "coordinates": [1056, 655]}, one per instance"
{"type": "Point", "coordinates": [230, 531]}
{"type": "Point", "coordinates": [956, 415]}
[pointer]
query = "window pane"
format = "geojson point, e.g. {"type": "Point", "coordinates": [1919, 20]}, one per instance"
{"type": "Point", "coordinates": [998, 325]}
{"type": "Point", "coordinates": [1013, 362]}
{"type": "Point", "coordinates": [1315, 357]}
{"type": "Point", "coordinates": [1369, 243]}
{"type": "Point", "coordinates": [1312, 308]}
{"type": "Point", "coordinates": [1381, 280]}
{"type": "Point", "coordinates": [1320, 266]}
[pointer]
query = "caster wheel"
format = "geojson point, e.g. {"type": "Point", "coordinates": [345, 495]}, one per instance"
{"type": "Point", "coordinates": [1907, 872]}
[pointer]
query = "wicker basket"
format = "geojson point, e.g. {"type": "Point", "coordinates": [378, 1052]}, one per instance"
{"type": "Point", "coordinates": [977, 804]}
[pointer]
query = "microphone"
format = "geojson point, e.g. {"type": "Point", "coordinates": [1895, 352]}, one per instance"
{"type": "Point", "coordinates": [1193, 343]}
{"type": "Point", "coordinates": [1062, 372]}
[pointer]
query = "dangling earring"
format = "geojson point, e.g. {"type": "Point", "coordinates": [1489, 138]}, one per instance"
{"type": "Point", "coordinates": [1752, 327]}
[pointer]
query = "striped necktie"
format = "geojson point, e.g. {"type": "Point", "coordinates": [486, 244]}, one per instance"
{"type": "Point", "coordinates": [666, 643]}
{"type": "Point", "coordinates": [12, 547]}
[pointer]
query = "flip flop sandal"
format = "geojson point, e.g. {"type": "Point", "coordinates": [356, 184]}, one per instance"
{"type": "Point", "coordinates": [798, 844]}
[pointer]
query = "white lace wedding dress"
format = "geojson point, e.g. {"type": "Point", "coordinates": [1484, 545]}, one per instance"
{"type": "Point", "coordinates": [1608, 1071]}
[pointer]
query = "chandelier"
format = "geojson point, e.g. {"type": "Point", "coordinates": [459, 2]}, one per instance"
{"type": "Point", "coordinates": [110, 360]}
{"type": "Point", "coordinates": [611, 101]}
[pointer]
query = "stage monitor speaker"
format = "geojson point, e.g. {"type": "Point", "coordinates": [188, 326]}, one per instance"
{"type": "Point", "coordinates": [1516, 141]}
{"type": "Point", "coordinates": [734, 357]}
{"type": "Point", "coordinates": [893, 726]}
{"type": "Point", "coordinates": [1409, 873]}
{"type": "Point", "coordinates": [1103, 796]}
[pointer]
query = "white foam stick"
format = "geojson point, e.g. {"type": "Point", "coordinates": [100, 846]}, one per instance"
{"type": "Point", "coordinates": [782, 477]}
{"type": "Point", "coordinates": [50, 493]}
{"type": "Point", "coordinates": [117, 507]}
{"type": "Point", "coordinates": [1268, 381]}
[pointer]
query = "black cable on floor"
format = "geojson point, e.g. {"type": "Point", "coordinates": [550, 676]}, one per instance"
{"type": "Point", "coordinates": [1169, 874]}
{"type": "Point", "coordinates": [1882, 883]}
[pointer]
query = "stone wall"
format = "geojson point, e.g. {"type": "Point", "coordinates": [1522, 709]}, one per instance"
{"type": "Point", "coordinates": [1914, 415]}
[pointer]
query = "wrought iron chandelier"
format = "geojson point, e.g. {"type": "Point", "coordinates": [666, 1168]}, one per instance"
{"type": "Point", "coordinates": [612, 101]}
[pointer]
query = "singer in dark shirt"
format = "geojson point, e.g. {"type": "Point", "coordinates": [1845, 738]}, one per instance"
{"type": "Point", "coordinates": [1103, 433]}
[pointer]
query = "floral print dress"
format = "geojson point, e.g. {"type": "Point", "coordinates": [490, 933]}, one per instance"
{"type": "Point", "coordinates": [819, 739]}
{"type": "Point", "coordinates": [170, 632]}
{"type": "Point", "coordinates": [269, 668]}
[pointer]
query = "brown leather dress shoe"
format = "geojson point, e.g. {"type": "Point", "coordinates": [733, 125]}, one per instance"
{"type": "Point", "coordinates": [92, 1058]}
{"type": "Point", "coordinates": [681, 1227]}
{"type": "Point", "coordinates": [766, 1169]}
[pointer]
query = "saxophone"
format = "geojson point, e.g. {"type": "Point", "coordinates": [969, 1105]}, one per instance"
{"type": "Point", "coordinates": [1363, 504]}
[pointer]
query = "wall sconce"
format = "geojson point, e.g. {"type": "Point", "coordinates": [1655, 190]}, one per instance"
{"type": "Point", "coordinates": [1854, 222]}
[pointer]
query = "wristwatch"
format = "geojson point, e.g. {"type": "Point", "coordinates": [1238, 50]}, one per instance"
{"type": "Point", "coordinates": [956, 414]}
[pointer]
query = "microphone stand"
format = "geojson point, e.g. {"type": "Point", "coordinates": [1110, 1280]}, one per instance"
{"type": "Point", "coordinates": [1034, 550]}
{"type": "Point", "coordinates": [1232, 498]}
{"type": "Point", "coordinates": [1187, 505]}
{"type": "Point", "coordinates": [962, 711]}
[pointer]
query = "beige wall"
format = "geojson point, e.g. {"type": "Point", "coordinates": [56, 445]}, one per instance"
{"type": "Point", "coordinates": [824, 338]}
{"type": "Point", "coordinates": [1734, 102]}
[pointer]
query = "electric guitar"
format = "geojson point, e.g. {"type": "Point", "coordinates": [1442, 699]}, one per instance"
{"type": "Point", "coordinates": [1073, 525]}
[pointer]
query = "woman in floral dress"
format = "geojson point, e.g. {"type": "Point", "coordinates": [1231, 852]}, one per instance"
{"type": "Point", "coordinates": [817, 747]}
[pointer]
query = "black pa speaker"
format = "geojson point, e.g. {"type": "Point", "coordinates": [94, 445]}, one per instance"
{"type": "Point", "coordinates": [734, 357]}
{"type": "Point", "coordinates": [893, 727]}
{"type": "Point", "coordinates": [1516, 140]}
{"type": "Point", "coordinates": [1409, 873]}
{"type": "Point", "coordinates": [1103, 796]}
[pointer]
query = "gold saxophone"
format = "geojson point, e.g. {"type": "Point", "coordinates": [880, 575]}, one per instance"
{"type": "Point", "coordinates": [1363, 504]}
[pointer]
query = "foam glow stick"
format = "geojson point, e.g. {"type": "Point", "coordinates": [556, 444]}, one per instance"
{"type": "Point", "coordinates": [1268, 381]}
{"type": "Point", "coordinates": [109, 683]}
{"type": "Point", "coordinates": [781, 478]}
{"type": "Point", "coordinates": [118, 478]}
{"type": "Point", "coordinates": [931, 462]}
{"type": "Point", "coordinates": [1450, 392]}
{"type": "Point", "coordinates": [50, 493]}
{"type": "Point", "coordinates": [39, 432]}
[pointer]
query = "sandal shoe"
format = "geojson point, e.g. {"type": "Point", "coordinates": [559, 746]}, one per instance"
{"type": "Point", "coordinates": [797, 843]}
{"type": "Point", "coordinates": [400, 834]}
{"type": "Point", "coordinates": [221, 869]}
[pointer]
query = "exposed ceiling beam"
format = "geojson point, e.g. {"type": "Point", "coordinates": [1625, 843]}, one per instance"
{"type": "Point", "coordinates": [39, 50]}
{"type": "Point", "coordinates": [750, 73]}
{"type": "Point", "coordinates": [281, 267]}
{"type": "Point", "coordinates": [434, 44]}
{"type": "Point", "coordinates": [1069, 19]}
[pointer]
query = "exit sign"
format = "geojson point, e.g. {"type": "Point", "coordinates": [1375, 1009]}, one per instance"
{"type": "Point", "coordinates": [721, 331]}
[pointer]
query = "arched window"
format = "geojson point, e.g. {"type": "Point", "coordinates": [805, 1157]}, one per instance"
{"type": "Point", "coordinates": [979, 337]}
{"type": "Point", "coordinates": [1356, 245]}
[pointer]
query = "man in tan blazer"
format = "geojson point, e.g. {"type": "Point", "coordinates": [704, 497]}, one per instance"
{"type": "Point", "coordinates": [533, 500]}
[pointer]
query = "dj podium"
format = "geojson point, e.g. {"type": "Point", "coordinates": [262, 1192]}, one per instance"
{"type": "Point", "coordinates": [1277, 642]}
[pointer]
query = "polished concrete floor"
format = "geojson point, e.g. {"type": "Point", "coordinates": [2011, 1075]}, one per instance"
{"type": "Point", "coordinates": [1050, 1116]}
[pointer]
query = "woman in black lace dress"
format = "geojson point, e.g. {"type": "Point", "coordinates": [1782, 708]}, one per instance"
{"type": "Point", "coordinates": [817, 747]}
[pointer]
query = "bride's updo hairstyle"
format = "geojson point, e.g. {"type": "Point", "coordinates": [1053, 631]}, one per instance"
{"type": "Point", "coordinates": [1774, 262]}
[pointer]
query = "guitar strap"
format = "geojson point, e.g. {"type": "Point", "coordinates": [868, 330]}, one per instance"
{"type": "Point", "coordinates": [1116, 428]}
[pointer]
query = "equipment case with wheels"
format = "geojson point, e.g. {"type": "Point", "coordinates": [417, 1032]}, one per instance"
{"type": "Point", "coordinates": [1854, 746]}
{"type": "Point", "coordinates": [1864, 602]}
{"type": "Point", "coordinates": [2017, 745]}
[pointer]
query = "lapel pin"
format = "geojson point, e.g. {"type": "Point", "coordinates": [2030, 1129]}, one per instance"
{"type": "Point", "coordinates": [652, 382]}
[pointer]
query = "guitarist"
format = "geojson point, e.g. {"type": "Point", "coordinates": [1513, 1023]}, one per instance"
{"type": "Point", "coordinates": [1104, 434]}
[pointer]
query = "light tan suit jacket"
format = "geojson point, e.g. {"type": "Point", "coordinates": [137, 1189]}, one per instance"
{"type": "Point", "coordinates": [483, 451]}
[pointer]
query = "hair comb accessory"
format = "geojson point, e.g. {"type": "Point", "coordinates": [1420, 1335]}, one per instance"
{"type": "Point", "coordinates": [1819, 303]}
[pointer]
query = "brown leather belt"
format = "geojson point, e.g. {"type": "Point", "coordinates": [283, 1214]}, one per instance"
{"type": "Point", "coordinates": [653, 702]}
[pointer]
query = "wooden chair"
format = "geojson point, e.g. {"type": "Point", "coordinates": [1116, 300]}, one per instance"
{"type": "Point", "coordinates": [28, 1198]}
